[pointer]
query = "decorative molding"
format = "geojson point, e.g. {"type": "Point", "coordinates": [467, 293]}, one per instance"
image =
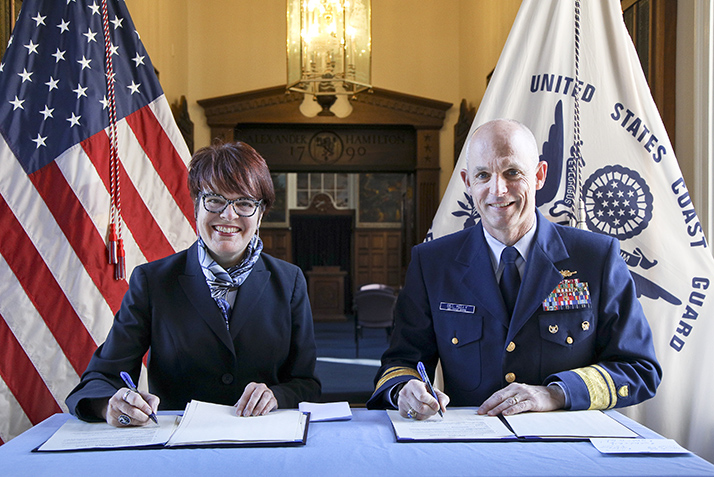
{"type": "Point", "coordinates": [322, 204]}
{"type": "Point", "coordinates": [242, 102]}
{"type": "Point", "coordinates": [275, 105]}
{"type": "Point", "coordinates": [403, 103]}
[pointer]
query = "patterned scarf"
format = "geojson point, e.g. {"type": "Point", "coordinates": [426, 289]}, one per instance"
{"type": "Point", "coordinates": [221, 281]}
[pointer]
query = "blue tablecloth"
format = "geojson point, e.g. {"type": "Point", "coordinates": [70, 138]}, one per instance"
{"type": "Point", "coordinates": [363, 446]}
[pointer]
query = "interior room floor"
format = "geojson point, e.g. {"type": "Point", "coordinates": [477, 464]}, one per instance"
{"type": "Point", "coordinates": [344, 376]}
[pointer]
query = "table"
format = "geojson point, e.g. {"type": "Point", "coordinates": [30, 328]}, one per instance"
{"type": "Point", "coordinates": [363, 446]}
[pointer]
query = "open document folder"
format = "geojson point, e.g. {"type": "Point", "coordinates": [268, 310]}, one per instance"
{"type": "Point", "coordinates": [202, 424]}
{"type": "Point", "coordinates": [464, 424]}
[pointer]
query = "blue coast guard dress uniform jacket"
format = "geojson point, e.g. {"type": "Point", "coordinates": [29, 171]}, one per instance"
{"type": "Point", "coordinates": [599, 345]}
{"type": "Point", "coordinates": [169, 309]}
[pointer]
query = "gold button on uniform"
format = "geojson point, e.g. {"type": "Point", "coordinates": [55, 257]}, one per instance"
{"type": "Point", "coordinates": [455, 340]}
{"type": "Point", "coordinates": [553, 329]}
{"type": "Point", "coordinates": [511, 346]}
{"type": "Point", "coordinates": [510, 377]}
{"type": "Point", "coordinates": [569, 340]}
{"type": "Point", "coordinates": [586, 325]}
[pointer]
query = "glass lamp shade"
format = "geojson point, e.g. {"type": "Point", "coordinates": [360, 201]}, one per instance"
{"type": "Point", "coordinates": [329, 46]}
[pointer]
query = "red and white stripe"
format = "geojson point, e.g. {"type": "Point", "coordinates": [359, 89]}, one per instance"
{"type": "Point", "coordinates": [57, 291]}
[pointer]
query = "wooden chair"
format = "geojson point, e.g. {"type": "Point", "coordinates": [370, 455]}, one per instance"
{"type": "Point", "coordinates": [373, 308]}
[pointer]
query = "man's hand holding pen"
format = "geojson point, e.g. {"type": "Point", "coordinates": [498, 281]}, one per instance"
{"type": "Point", "coordinates": [415, 401]}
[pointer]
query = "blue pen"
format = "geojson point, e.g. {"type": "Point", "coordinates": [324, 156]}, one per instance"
{"type": "Point", "coordinates": [429, 387]}
{"type": "Point", "coordinates": [130, 384]}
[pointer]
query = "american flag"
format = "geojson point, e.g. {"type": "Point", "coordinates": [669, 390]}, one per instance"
{"type": "Point", "coordinates": [58, 292]}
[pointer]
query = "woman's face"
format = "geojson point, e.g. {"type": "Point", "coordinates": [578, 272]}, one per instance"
{"type": "Point", "coordinates": [226, 234]}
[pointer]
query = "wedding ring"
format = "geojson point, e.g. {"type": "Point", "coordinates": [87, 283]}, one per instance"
{"type": "Point", "coordinates": [124, 419]}
{"type": "Point", "coordinates": [515, 400]}
{"type": "Point", "coordinates": [125, 395]}
{"type": "Point", "coordinates": [411, 413]}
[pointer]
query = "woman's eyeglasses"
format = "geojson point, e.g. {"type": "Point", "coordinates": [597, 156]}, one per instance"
{"type": "Point", "coordinates": [216, 204]}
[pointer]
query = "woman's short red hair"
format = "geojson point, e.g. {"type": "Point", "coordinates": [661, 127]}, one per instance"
{"type": "Point", "coordinates": [231, 168]}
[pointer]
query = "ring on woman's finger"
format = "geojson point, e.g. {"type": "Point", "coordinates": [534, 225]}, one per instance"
{"type": "Point", "coordinates": [515, 400]}
{"type": "Point", "coordinates": [125, 395]}
{"type": "Point", "coordinates": [411, 413]}
{"type": "Point", "coordinates": [124, 419]}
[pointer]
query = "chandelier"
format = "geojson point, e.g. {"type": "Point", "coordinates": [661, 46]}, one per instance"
{"type": "Point", "coordinates": [329, 53]}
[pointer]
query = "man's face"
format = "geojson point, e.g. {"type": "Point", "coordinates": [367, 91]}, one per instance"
{"type": "Point", "coordinates": [502, 178]}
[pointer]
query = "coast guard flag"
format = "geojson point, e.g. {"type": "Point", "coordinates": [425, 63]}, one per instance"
{"type": "Point", "coordinates": [58, 293]}
{"type": "Point", "coordinates": [630, 182]}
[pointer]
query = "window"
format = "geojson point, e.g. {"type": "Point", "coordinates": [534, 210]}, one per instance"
{"type": "Point", "coordinates": [335, 185]}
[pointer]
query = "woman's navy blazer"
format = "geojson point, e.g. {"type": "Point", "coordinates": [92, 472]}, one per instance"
{"type": "Point", "coordinates": [168, 311]}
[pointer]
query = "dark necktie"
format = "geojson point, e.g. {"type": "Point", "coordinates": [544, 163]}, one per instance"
{"type": "Point", "coordinates": [510, 279]}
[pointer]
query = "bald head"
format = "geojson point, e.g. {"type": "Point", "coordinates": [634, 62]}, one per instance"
{"type": "Point", "coordinates": [502, 175]}
{"type": "Point", "coordinates": [503, 137]}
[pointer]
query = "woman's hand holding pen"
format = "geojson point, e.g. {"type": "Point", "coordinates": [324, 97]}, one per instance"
{"type": "Point", "coordinates": [257, 400]}
{"type": "Point", "coordinates": [130, 408]}
{"type": "Point", "coordinates": [415, 397]}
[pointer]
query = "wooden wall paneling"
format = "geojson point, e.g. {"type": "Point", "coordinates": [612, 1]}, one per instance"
{"type": "Point", "coordinates": [427, 172]}
{"type": "Point", "coordinates": [277, 242]}
{"type": "Point", "coordinates": [378, 257]}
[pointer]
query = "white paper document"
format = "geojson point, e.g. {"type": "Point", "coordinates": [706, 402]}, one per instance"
{"type": "Point", "coordinates": [457, 424]}
{"type": "Point", "coordinates": [638, 446]}
{"type": "Point", "coordinates": [207, 423]}
{"type": "Point", "coordinates": [328, 411]}
{"type": "Point", "coordinates": [464, 424]}
{"type": "Point", "coordinates": [76, 435]}
{"type": "Point", "coordinates": [202, 424]}
{"type": "Point", "coordinates": [568, 424]}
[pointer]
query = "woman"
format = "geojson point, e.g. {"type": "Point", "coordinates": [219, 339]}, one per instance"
{"type": "Point", "coordinates": [222, 322]}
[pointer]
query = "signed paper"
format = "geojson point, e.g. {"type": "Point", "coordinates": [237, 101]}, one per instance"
{"type": "Point", "coordinates": [75, 434]}
{"type": "Point", "coordinates": [464, 424]}
{"type": "Point", "coordinates": [202, 424]}
{"type": "Point", "coordinates": [638, 446]}
{"type": "Point", "coordinates": [457, 424]}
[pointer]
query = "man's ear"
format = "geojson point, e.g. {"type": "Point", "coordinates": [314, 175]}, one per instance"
{"type": "Point", "coordinates": [541, 173]}
{"type": "Point", "coordinates": [465, 177]}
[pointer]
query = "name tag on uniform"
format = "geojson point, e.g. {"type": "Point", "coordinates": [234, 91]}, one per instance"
{"type": "Point", "coordinates": [570, 294]}
{"type": "Point", "coordinates": [457, 307]}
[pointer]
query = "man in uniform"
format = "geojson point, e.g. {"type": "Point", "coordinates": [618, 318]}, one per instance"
{"type": "Point", "coordinates": [524, 314]}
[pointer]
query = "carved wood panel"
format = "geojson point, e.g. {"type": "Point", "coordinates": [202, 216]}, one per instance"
{"type": "Point", "coordinates": [378, 257]}
{"type": "Point", "coordinates": [276, 242]}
